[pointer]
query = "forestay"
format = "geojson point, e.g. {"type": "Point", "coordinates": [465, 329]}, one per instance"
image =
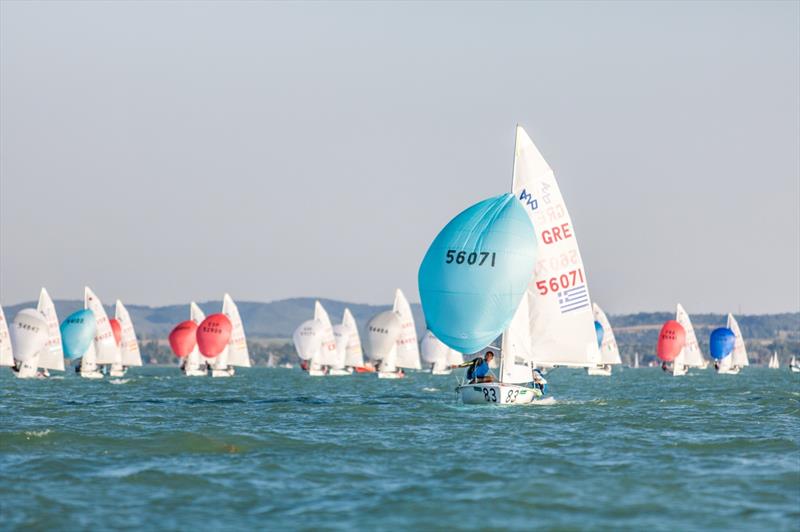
{"type": "Point", "coordinates": [691, 355]}
{"type": "Point", "coordinates": [52, 354]}
{"type": "Point", "coordinates": [106, 350]}
{"type": "Point", "coordinates": [407, 346]}
{"type": "Point", "coordinates": [739, 353]}
{"type": "Point", "coordinates": [560, 311]}
{"type": "Point", "coordinates": [609, 351]}
{"type": "Point", "coordinates": [129, 346]}
{"type": "Point", "coordinates": [238, 355]}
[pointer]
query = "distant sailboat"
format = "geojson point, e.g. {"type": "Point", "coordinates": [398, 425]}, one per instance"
{"type": "Point", "coordinates": [636, 360]}
{"type": "Point", "coordinates": [690, 356]}
{"type": "Point", "coordinates": [348, 343]}
{"type": "Point", "coordinates": [195, 364]}
{"type": "Point", "coordinates": [236, 353]}
{"type": "Point", "coordinates": [609, 351]}
{"type": "Point", "coordinates": [6, 354]}
{"type": "Point", "coordinates": [441, 358]}
{"type": "Point", "coordinates": [732, 364]}
{"type": "Point", "coordinates": [550, 322]}
{"type": "Point", "coordinates": [130, 355]}
{"type": "Point", "coordinates": [332, 353]}
{"type": "Point", "coordinates": [103, 350]}
{"type": "Point", "coordinates": [774, 363]}
{"type": "Point", "coordinates": [392, 339]}
{"type": "Point", "coordinates": [794, 367]}
{"type": "Point", "coordinates": [51, 357]}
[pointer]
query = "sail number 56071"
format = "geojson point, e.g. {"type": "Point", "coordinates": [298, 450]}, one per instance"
{"type": "Point", "coordinates": [562, 282]}
{"type": "Point", "coordinates": [474, 258]}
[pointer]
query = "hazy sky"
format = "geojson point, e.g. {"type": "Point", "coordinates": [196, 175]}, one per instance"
{"type": "Point", "coordinates": [167, 151]}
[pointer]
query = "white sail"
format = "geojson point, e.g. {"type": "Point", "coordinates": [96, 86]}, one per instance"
{"type": "Point", "coordinates": [516, 348]}
{"type": "Point", "coordinates": [739, 353]}
{"type": "Point", "coordinates": [609, 351]}
{"type": "Point", "coordinates": [131, 356]}
{"type": "Point", "coordinates": [774, 363]}
{"type": "Point", "coordinates": [195, 361]}
{"type": "Point", "coordinates": [560, 312]}
{"type": "Point", "coordinates": [383, 331]}
{"type": "Point", "coordinates": [238, 355]}
{"type": "Point", "coordinates": [354, 357]}
{"type": "Point", "coordinates": [328, 352]}
{"type": "Point", "coordinates": [407, 346]}
{"type": "Point", "coordinates": [432, 351]}
{"type": "Point", "coordinates": [307, 340]}
{"type": "Point", "coordinates": [6, 355]}
{"type": "Point", "coordinates": [52, 355]}
{"type": "Point", "coordinates": [106, 349]}
{"type": "Point", "coordinates": [636, 360]}
{"type": "Point", "coordinates": [692, 355]}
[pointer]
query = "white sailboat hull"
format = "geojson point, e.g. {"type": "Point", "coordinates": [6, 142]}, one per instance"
{"type": "Point", "coordinates": [92, 374]}
{"type": "Point", "coordinates": [223, 372]}
{"type": "Point", "coordinates": [728, 371]}
{"type": "Point", "coordinates": [599, 371]}
{"type": "Point", "coordinates": [439, 371]}
{"type": "Point", "coordinates": [496, 393]}
{"type": "Point", "coordinates": [679, 370]}
{"type": "Point", "coordinates": [117, 372]}
{"type": "Point", "coordinates": [195, 372]}
{"type": "Point", "coordinates": [795, 369]}
{"type": "Point", "coordinates": [340, 372]}
{"type": "Point", "coordinates": [390, 375]}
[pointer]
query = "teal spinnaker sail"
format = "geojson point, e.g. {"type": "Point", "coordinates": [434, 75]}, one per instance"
{"type": "Point", "coordinates": [476, 271]}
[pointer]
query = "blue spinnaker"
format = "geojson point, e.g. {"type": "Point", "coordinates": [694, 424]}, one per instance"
{"type": "Point", "coordinates": [598, 329]}
{"type": "Point", "coordinates": [721, 343]}
{"type": "Point", "coordinates": [77, 333]}
{"type": "Point", "coordinates": [476, 271]}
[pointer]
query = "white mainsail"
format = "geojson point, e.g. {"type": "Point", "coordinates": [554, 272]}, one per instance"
{"type": "Point", "coordinates": [407, 344]}
{"type": "Point", "coordinates": [609, 351]}
{"type": "Point", "coordinates": [6, 354]}
{"type": "Point", "coordinates": [354, 356]}
{"type": "Point", "coordinates": [52, 355]}
{"type": "Point", "coordinates": [237, 353]}
{"type": "Point", "coordinates": [129, 346]}
{"type": "Point", "coordinates": [774, 363]}
{"type": "Point", "coordinates": [739, 353]}
{"type": "Point", "coordinates": [195, 362]}
{"type": "Point", "coordinates": [437, 354]}
{"type": "Point", "coordinates": [329, 355]}
{"type": "Point", "coordinates": [383, 331]}
{"type": "Point", "coordinates": [106, 350]}
{"type": "Point", "coordinates": [560, 323]}
{"type": "Point", "coordinates": [691, 353]}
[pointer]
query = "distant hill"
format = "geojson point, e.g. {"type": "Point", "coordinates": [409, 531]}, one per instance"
{"type": "Point", "coordinates": [278, 319]}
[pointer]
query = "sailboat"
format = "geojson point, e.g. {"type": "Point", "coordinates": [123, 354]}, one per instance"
{"type": "Point", "coordinates": [794, 367]}
{"type": "Point", "coordinates": [636, 360]}
{"type": "Point", "coordinates": [348, 343]}
{"type": "Point", "coordinates": [6, 353]}
{"type": "Point", "coordinates": [731, 365]}
{"type": "Point", "coordinates": [130, 355]}
{"type": "Point", "coordinates": [774, 363]}
{"type": "Point", "coordinates": [236, 353]}
{"type": "Point", "coordinates": [609, 351]}
{"type": "Point", "coordinates": [51, 355]}
{"type": "Point", "coordinates": [383, 331]}
{"type": "Point", "coordinates": [690, 356]}
{"type": "Point", "coordinates": [441, 358]}
{"type": "Point", "coordinates": [195, 364]}
{"type": "Point", "coordinates": [551, 322]}
{"type": "Point", "coordinates": [104, 349]}
{"type": "Point", "coordinates": [405, 352]}
{"type": "Point", "coordinates": [333, 352]}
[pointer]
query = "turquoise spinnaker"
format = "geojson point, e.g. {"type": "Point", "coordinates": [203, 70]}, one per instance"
{"type": "Point", "coordinates": [476, 271]}
{"type": "Point", "coordinates": [77, 333]}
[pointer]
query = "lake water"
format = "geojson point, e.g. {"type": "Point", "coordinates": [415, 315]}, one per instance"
{"type": "Point", "coordinates": [273, 448]}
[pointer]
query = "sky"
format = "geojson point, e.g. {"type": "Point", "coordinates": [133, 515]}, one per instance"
{"type": "Point", "coordinates": [162, 152]}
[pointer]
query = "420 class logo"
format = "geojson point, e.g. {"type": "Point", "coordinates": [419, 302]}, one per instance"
{"type": "Point", "coordinates": [528, 200]}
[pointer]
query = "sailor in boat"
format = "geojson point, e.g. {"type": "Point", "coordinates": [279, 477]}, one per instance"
{"type": "Point", "coordinates": [539, 381]}
{"type": "Point", "coordinates": [479, 370]}
{"type": "Point", "coordinates": [664, 366]}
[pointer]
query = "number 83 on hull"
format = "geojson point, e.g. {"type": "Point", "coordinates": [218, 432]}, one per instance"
{"type": "Point", "coordinates": [496, 393]}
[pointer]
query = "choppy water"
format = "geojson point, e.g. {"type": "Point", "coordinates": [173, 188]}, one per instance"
{"type": "Point", "coordinates": [272, 448]}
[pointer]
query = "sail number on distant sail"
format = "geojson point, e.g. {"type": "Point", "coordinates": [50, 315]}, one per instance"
{"type": "Point", "coordinates": [460, 257]}
{"type": "Point", "coordinates": [562, 282]}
